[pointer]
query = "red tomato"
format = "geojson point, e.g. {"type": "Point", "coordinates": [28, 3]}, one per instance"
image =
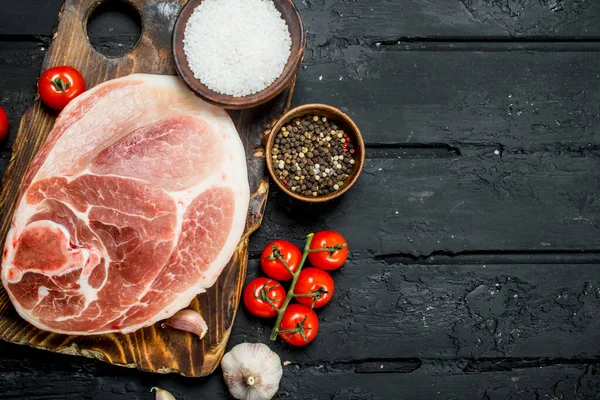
{"type": "Point", "coordinates": [313, 280]}
{"type": "Point", "coordinates": [3, 123]}
{"type": "Point", "coordinates": [330, 259]}
{"type": "Point", "coordinates": [256, 293]}
{"type": "Point", "coordinates": [59, 85]}
{"type": "Point", "coordinates": [302, 322]}
{"type": "Point", "coordinates": [273, 267]}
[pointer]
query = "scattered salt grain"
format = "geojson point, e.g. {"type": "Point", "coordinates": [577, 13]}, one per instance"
{"type": "Point", "coordinates": [237, 47]}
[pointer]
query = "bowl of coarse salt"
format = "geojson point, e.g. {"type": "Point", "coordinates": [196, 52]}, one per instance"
{"type": "Point", "coordinates": [237, 54]}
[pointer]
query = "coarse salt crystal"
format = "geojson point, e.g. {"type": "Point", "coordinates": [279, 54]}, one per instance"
{"type": "Point", "coordinates": [237, 47]}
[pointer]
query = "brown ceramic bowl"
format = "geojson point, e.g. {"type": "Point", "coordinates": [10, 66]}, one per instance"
{"type": "Point", "coordinates": [294, 21]}
{"type": "Point", "coordinates": [344, 122]}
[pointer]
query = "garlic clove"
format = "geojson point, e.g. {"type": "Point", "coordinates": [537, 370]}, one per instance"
{"type": "Point", "coordinates": [252, 371]}
{"type": "Point", "coordinates": [162, 394]}
{"type": "Point", "coordinates": [188, 320]}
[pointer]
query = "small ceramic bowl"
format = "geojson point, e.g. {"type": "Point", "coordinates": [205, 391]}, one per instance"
{"type": "Point", "coordinates": [298, 35]}
{"type": "Point", "coordinates": [344, 122]}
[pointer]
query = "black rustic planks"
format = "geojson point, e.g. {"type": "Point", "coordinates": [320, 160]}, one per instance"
{"type": "Point", "coordinates": [477, 201]}
{"type": "Point", "coordinates": [351, 20]}
{"type": "Point", "coordinates": [502, 309]}
{"type": "Point", "coordinates": [19, 68]}
{"type": "Point", "coordinates": [519, 178]}
{"type": "Point", "coordinates": [458, 97]}
{"type": "Point", "coordinates": [446, 312]}
{"type": "Point", "coordinates": [463, 331]}
{"type": "Point", "coordinates": [88, 379]}
{"type": "Point", "coordinates": [535, 97]}
{"type": "Point", "coordinates": [469, 329]}
{"type": "Point", "coordinates": [28, 17]}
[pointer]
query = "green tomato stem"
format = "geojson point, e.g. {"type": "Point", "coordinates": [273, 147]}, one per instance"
{"type": "Point", "coordinates": [331, 249]}
{"type": "Point", "coordinates": [60, 85]}
{"type": "Point", "coordinates": [317, 293]}
{"type": "Point", "coordinates": [290, 293]}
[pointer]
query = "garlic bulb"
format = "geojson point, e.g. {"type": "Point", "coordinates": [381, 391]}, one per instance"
{"type": "Point", "coordinates": [252, 371]}
{"type": "Point", "coordinates": [188, 320]}
{"type": "Point", "coordinates": [162, 394]}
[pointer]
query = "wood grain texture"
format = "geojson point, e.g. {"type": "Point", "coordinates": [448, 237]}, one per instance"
{"type": "Point", "coordinates": [153, 349]}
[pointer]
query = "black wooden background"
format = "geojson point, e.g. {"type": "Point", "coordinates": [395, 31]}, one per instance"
{"type": "Point", "coordinates": [474, 230]}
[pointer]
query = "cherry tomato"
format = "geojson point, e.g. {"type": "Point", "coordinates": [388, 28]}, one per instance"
{"type": "Point", "coordinates": [303, 320]}
{"type": "Point", "coordinates": [3, 123]}
{"type": "Point", "coordinates": [328, 259]}
{"type": "Point", "coordinates": [256, 293]}
{"type": "Point", "coordinates": [313, 280]}
{"type": "Point", "coordinates": [273, 267]}
{"type": "Point", "coordinates": [59, 85]}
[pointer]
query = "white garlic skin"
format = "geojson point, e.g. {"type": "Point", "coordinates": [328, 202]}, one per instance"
{"type": "Point", "coordinates": [162, 394]}
{"type": "Point", "coordinates": [252, 360]}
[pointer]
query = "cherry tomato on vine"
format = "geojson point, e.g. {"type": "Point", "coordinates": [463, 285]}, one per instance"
{"type": "Point", "coordinates": [272, 265]}
{"type": "Point", "coordinates": [313, 280]}
{"type": "Point", "coordinates": [256, 293]}
{"type": "Point", "coordinates": [330, 259]}
{"type": "Point", "coordinates": [59, 85]}
{"type": "Point", "coordinates": [301, 324]}
{"type": "Point", "coordinates": [3, 123]}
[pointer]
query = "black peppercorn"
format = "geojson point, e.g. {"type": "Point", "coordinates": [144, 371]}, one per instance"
{"type": "Point", "coordinates": [313, 156]}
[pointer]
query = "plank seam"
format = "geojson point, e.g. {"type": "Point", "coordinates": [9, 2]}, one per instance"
{"type": "Point", "coordinates": [493, 257]}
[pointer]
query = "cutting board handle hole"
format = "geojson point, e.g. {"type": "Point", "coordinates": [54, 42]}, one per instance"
{"type": "Point", "coordinates": [114, 27]}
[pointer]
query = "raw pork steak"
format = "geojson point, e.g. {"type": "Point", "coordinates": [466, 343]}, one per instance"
{"type": "Point", "coordinates": [132, 207]}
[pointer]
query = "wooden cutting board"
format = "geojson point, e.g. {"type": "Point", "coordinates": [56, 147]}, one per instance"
{"type": "Point", "coordinates": [153, 349]}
